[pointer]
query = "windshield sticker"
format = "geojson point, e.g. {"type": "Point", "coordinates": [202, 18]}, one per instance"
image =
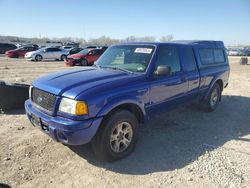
{"type": "Point", "coordinates": [140, 68]}
{"type": "Point", "coordinates": [143, 50]}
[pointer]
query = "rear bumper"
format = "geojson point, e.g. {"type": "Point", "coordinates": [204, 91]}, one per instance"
{"type": "Point", "coordinates": [64, 130]}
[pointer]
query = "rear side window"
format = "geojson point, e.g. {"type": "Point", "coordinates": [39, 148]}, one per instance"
{"type": "Point", "coordinates": [169, 56]}
{"type": "Point", "coordinates": [207, 56]}
{"type": "Point", "coordinates": [212, 56]}
{"type": "Point", "coordinates": [49, 49]}
{"type": "Point", "coordinates": [189, 59]}
{"type": "Point", "coordinates": [219, 56]}
{"type": "Point", "coordinates": [96, 52]}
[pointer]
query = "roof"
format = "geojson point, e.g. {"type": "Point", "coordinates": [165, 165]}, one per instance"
{"type": "Point", "coordinates": [209, 43]}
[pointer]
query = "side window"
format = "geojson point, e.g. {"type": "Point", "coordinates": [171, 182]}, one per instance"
{"type": "Point", "coordinates": [189, 59]}
{"type": "Point", "coordinates": [94, 52]}
{"type": "Point", "coordinates": [207, 56]}
{"type": "Point", "coordinates": [219, 56]}
{"type": "Point", "coordinates": [169, 56]}
{"type": "Point", "coordinates": [55, 49]}
{"type": "Point", "coordinates": [98, 52]}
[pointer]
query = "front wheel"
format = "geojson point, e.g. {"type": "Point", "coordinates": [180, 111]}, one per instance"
{"type": "Point", "coordinates": [38, 58]}
{"type": "Point", "coordinates": [213, 98]}
{"type": "Point", "coordinates": [117, 136]}
{"type": "Point", "coordinates": [84, 62]}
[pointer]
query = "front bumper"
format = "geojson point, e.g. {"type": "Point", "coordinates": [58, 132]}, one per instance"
{"type": "Point", "coordinates": [73, 62]}
{"type": "Point", "coordinates": [28, 57]}
{"type": "Point", "coordinates": [64, 130]}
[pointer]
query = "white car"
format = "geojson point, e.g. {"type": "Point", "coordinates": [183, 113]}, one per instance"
{"type": "Point", "coordinates": [68, 48]}
{"type": "Point", "coordinates": [47, 53]}
{"type": "Point", "coordinates": [233, 52]}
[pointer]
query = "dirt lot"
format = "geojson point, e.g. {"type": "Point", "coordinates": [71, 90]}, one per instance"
{"type": "Point", "coordinates": [183, 148]}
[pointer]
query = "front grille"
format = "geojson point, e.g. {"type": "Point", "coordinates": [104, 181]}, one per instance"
{"type": "Point", "coordinates": [43, 99]}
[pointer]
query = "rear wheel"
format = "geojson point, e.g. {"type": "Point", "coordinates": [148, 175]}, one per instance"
{"type": "Point", "coordinates": [38, 58]}
{"type": "Point", "coordinates": [117, 136]}
{"type": "Point", "coordinates": [63, 57]}
{"type": "Point", "coordinates": [84, 62]}
{"type": "Point", "coordinates": [213, 98]}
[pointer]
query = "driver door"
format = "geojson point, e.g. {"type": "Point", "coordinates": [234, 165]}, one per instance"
{"type": "Point", "coordinates": [169, 90]}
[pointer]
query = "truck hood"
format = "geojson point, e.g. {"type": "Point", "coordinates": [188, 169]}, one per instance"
{"type": "Point", "coordinates": [71, 83]}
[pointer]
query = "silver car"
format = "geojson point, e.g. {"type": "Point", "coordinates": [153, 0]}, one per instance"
{"type": "Point", "coordinates": [47, 53]}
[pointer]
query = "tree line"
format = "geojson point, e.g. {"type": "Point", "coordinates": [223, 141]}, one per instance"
{"type": "Point", "coordinates": [103, 40]}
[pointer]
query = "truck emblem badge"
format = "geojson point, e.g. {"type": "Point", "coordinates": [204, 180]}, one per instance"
{"type": "Point", "coordinates": [39, 99]}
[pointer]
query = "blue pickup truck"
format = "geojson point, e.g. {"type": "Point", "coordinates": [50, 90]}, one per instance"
{"type": "Point", "coordinates": [127, 86]}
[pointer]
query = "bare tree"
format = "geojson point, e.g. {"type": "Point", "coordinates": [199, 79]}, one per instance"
{"type": "Point", "coordinates": [103, 41]}
{"type": "Point", "coordinates": [139, 39]}
{"type": "Point", "coordinates": [167, 38]}
{"type": "Point", "coordinates": [130, 39]}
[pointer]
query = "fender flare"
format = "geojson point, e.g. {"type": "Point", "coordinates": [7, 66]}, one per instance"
{"type": "Point", "coordinates": [120, 101]}
{"type": "Point", "coordinates": [211, 86]}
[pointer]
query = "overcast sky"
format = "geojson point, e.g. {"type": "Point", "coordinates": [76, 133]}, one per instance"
{"type": "Point", "coordinates": [227, 20]}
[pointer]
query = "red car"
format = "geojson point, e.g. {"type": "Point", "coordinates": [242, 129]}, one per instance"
{"type": "Point", "coordinates": [20, 52]}
{"type": "Point", "coordinates": [86, 57]}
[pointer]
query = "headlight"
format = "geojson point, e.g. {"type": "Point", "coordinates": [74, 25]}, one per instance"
{"type": "Point", "coordinates": [74, 107]}
{"type": "Point", "coordinates": [30, 90]}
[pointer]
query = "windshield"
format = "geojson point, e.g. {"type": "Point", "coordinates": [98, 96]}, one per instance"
{"type": "Point", "coordinates": [85, 51]}
{"type": "Point", "coordinates": [133, 58]}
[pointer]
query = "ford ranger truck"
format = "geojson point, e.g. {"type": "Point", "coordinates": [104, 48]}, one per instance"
{"type": "Point", "coordinates": [127, 86]}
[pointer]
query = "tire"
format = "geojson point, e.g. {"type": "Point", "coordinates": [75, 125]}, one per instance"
{"type": "Point", "coordinates": [63, 57]}
{"type": "Point", "coordinates": [213, 98]}
{"type": "Point", "coordinates": [38, 58]}
{"type": "Point", "coordinates": [116, 137]}
{"type": "Point", "coordinates": [84, 62]}
{"type": "Point", "coordinates": [243, 61]}
{"type": "Point", "coordinates": [13, 96]}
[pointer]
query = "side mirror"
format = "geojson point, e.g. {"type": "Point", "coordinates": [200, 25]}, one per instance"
{"type": "Point", "coordinates": [162, 70]}
{"type": "Point", "coordinates": [44, 50]}
{"type": "Point", "coordinates": [90, 53]}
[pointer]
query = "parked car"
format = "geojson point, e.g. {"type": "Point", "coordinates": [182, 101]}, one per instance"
{"type": "Point", "coordinates": [85, 57]}
{"type": "Point", "coordinates": [47, 53]}
{"type": "Point", "coordinates": [75, 50]}
{"type": "Point", "coordinates": [129, 85]}
{"type": "Point", "coordinates": [72, 44]}
{"type": "Point", "coordinates": [67, 48]}
{"type": "Point", "coordinates": [234, 52]}
{"type": "Point", "coordinates": [245, 52]}
{"type": "Point", "coordinates": [30, 45]}
{"type": "Point", "coordinates": [5, 47]}
{"type": "Point", "coordinates": [20, 52]}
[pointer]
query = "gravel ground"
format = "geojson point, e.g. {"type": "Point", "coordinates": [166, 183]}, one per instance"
{"type": "Point", "coordinates": [182, 148]}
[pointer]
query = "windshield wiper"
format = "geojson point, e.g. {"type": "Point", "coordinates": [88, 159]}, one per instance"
{"type": "Point", "coordinates": [117, 68]}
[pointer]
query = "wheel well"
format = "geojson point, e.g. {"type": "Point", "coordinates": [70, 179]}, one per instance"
{"type": "Point", "coordinates": [133, 108]}
{"type": "Point", "coordinates": [220, 84]}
